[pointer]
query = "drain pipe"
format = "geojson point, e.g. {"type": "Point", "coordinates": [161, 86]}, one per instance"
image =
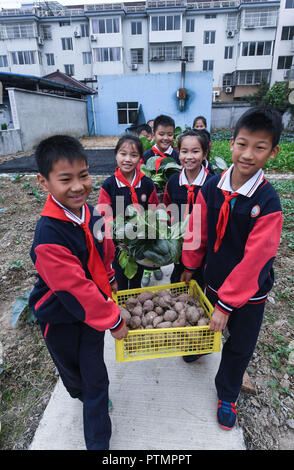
{"type": "Point", "coordinates": [94, 117]}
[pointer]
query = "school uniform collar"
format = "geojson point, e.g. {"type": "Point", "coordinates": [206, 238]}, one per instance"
{"type": "Point", "coordinates": [248, 188]}
{"type": "Point", "coordinates": [198, 181]}
{"type": "Point", "coordinates": [120, 184]}
{"type": "Point", "coordinates": [70, 215]}
{"type": "Point", "coordinates": [169, 151]}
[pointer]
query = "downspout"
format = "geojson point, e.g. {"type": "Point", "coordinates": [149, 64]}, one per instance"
{"type": "Point", "coordinates": [93, 112]}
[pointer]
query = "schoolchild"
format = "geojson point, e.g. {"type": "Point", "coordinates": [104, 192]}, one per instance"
{"type": "Point", "coordinates": [199, 123]}
{"type": "Point", "coordinates": [206, 161]}
{"type": "Point", "coordinates": [182, 189]}
{"type": "Point", "coordinates": [128, 186]}
{"type": "Point", "coordinates": [164, 131]}
{"type": "Point", "coordinates": [240, 230]}
{"type": "Point", "coordinates": [72, 298]}
{"type": "Point", "coordinates": [144, 130]}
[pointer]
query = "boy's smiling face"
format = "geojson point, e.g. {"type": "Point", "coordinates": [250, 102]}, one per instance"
{"type": "Point", "coordinates": [250, 152]}
{"type": "Point", "coordinates": [164, 137]}
{"type": "Point", "coordinates": [69, 183]}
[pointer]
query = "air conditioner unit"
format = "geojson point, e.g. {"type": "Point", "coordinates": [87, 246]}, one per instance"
{"type": "Point", "coordinates": [230, 34]}
{"type": "Point", "coordinates": [40, 41]}
{"type": "Point", "coordinates": [228, 89]}
{"type": "Point", "coordinates": [93, 37]}
{"type": "Point", "coordinates": [216, 93]}
{"type": "Point", "coordinates": [134, 66]}
{"type": "Point", "coordinates": [77, 33]}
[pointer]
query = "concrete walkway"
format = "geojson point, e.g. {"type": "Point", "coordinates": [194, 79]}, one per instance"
{"type": "Point", "coordinates": [158, 404]}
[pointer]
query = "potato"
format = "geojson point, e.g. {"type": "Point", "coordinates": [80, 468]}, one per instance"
{"type": "Point", "coordinates": [180, 321]}
{"type": "Point", "coordinates": [138, 310]}
{"type": "Point", "coordinates": [179, 307]}
{"type": "Point", "coordinates": [164, 324]}
{"type": "Point", "coordinates": [150, 317]}
{"type": "Point", "coordinates": [149, 327]}
{"type": "Point", "coordinates": [163, 292]}
{"type": "Point", "coordinates": [148, 306]}
{"type": "Point", "coordinates": [159, 310]}
{"type": "Point", "coordinates": [183, 298]}
{"type": "Point", "coordinates": [135, 322]}
{"type": "Point", "coordinates": [192, 315]}
{"type": "Point", "coordinates": [165, 301]}
{"type": "Point", "coordinates": [125, 314]}
{"type": "Point", "coordinates": [203, 321]}
{"type": "Point", "coordinates": [157, 320]}
{"type": "Point", "coordinates": [131, 302]}
{"type": "Point", "coordinates": [145, 296]}
{"type": "Point", "coordinates": [144, 321]}
{"type": "Point", "coordinates": [170, 315]}
{"type": "Point", "coordinates": [201, 311]}
{"type": "Point", "coordinates": [156, 300]}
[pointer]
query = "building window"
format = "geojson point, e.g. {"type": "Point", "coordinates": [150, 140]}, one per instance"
{"type": "Point", "coordinates": [103, 26]}
{"type": "Point", "coordinates": [3, 61]}
{"type": "Point", "coordinates": [285, 62]}
{"type": "Point", "coordinates": [137, 56]}
{"type": "Point", "coordinates": [84, 30]}
{"type": "Point", "coordinates": [209, 37]}
{"type": "Point", "coordinates": [23, 57]}
{"type": "Point", "coordinates": [167, 51]}
{"type": "Point", "coordinates": [289, 4]}
{"type": "Point", "coordinates": [165, 23]}
{"type": "Point", "coordinates": [287, 33]}
{"type": "Point", "coordinates": [19, 31]}
{"type": "Point", "coordinates": [67, 44]}
{"type": "Point", "coordinates": [50, 59]}
{"type": "Point", "coordinates": [207, 65]}
{"type": "Point", "coordinates": [260, 18]}
{"type": "Point", "coordinates": [210, 16]}
{"type": "Point", "coordinates": [256, 48]}
{"type": "Point", "coordinates": [69, 69]}
{"type": "Point", "coordinates": [107, 54]}
{"type": "Point", "coordinates": [45, 31]}
{"type": "Point", "coordinates": [228, 79]}
{"type": "Point", "coordinates": [252, 77]}
{"type": "Point", "coordinates": [190, 23]}
{"type": "Point", "coordinates": [87, 58]}
{"type": "Point", "coordinates": [64, 23]}
{"type": "Point", "coordinates": [127, 113]}
{"type": "Point", "coordinates": [189, 52]}
{"type": "Point", "coordinates": [136, 27]}
{"type": "Point", "coordinates": [229, 52]}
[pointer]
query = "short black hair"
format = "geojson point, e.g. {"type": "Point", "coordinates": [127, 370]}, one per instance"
{"type": "Point", "coordinates": [132, 138]}
{"type": "Point", "coordinates": [204, 141]}
{"type": "Point", "coordinates": [261, 118]}
{"type": "Point", "coordinates": [58, 147]}
{"type": "Point", "coordinates": [202, 119]}
{"type": "Point", "coordinates": [163, 120]}
{"type": "Point", "coordinates": [143, 127]}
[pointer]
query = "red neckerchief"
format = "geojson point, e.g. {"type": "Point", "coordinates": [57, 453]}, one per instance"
{"type": "Point", "coordinates": [95, 264]}
{"type": "Point", "coordinates": [191, 195]}
{"type": "Point", "coordinates": [223, 218]}
{"type": "Point", "coordinates": [158, 160]}
{"type": "Point", "coordinates": [118, 174]}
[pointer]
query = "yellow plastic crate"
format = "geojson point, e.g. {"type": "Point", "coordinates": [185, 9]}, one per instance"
{"type": "Point", "coordinates": [167, 342]}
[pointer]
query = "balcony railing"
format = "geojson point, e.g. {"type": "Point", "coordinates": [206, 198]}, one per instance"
{"type": "Point", "coordinates": [104, 7]}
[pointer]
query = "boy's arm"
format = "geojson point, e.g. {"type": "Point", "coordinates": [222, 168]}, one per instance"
{"type": "Point", "coordinates": [195, 241]}
{"type": "Point", "coordinates": [248, 275]}
{"type": "Point", "coordinates": [63, 273]}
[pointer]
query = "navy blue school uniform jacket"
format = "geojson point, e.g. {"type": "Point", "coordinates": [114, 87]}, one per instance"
{"type": "Point", "coordinates": [176, 191]}
{"type": "Point", "coordinates": [169, 153]}
{"type": "Point", "coordinates": [241, 270]}
{"type": "Point", "coordinates": [65, 291]}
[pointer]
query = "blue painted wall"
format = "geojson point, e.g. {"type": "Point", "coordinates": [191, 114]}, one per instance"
{"type": "Point", "coordinates": [156, 93]}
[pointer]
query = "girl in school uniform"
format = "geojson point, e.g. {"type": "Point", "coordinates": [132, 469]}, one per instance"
{"type": "Point", "coordinates": [134, 188]}
{"type": "Point", "coordinates": [183, 188]}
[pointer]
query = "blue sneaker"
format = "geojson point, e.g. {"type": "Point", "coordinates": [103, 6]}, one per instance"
{"type": "Point", "coordinates": [192, 357]}
{"type": "Point", "coordinates": [226, 414]}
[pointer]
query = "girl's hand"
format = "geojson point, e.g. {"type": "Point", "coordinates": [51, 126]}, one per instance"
{"type": "Point", "coordinates": [218, 320]}
{"type": "Point", "coordinates": [114, 287]}
{"type": "Point", "coordinates": [121, 333]}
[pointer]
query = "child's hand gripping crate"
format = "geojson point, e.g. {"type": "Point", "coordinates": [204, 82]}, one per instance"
{"type": "Point", "coordinates": [166, 342]}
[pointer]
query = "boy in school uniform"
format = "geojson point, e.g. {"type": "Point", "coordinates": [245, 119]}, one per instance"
{"type": "Point", "coordinates": [239, 233]}
{"type": "Point", "coordinates": [72, 298]}
{"type": "Point", "coordinates": [164, 132]}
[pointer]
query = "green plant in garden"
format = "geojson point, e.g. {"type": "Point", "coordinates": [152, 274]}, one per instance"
{"type": "Point", "coordinates": [21, 307]}
{"type": "Point", "coordinates": [161, 176]}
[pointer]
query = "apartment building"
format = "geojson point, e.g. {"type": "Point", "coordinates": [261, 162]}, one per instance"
{"type": "Point", "coordinates": [241, 41]}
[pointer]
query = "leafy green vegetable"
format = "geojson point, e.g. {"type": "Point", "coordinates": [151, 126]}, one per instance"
{"type": "Point", "coordinates": [167, 168]}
